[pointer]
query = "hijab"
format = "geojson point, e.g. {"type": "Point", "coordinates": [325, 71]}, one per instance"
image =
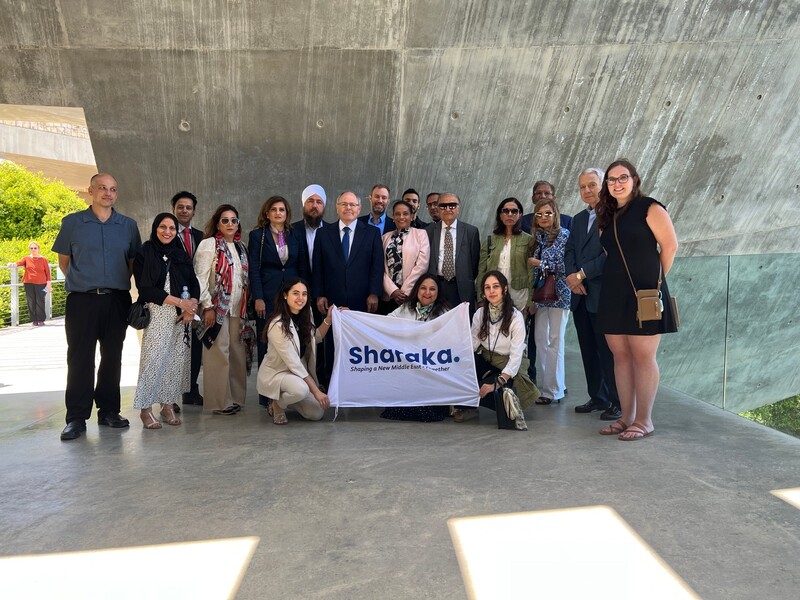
{"type": "Point", "coordinates": [159, 257]}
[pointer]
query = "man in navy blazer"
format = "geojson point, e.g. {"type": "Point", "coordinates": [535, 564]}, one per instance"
{"type": "Point", "coordinates": [583, 260]}
{"type": "Point", "coordinates": [467, 248]}
{"type": "Point", "coordinates": [543, 190]}
{"type": "Point", "coordinates": [314, 200]}
{"type": "Point", "coordinates": [184, 205]}
{"type": "Point", "coordinates": [379, 199]}
{"type": "Point", "coordinates": [348, 265]}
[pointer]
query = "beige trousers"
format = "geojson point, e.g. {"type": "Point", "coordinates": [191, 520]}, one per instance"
{"type": "Point", "coordinates": [295, 394]}
{"type": "Point", "coordinates": [224, 368]}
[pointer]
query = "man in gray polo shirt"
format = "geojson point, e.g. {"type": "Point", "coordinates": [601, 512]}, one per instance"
{"type": "Point", "coordinates": [96, 248]}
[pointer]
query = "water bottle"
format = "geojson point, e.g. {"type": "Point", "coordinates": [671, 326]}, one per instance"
{"type": "Point", "coordinates": [185, 293]}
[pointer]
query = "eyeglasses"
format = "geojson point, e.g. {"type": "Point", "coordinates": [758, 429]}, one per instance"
{"type": "Point", "coordinates": [543, 193]}
{"type": "Point", "coordinates": [231, 220]}
{"type": "Point", "coordinates": [433, 205]}
{"type": "Point", "coordinates": [620, 179]}
{"type": "Point", "coordinates": [510, 211]}
{"type": "Point", "coordinates": [547, 214]}
{"type": "Point", "coordinates": [347, 204]}
{"type": "Point", "coordinates": [449, 206]}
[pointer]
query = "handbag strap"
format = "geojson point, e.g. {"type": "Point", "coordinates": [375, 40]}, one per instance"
{"type": "Point", "coordinates": [261, 252]}
{"type": "Point", "coordinates": [624, 262]}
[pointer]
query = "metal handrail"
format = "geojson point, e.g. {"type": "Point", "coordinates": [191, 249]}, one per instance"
{"type": "Point", "coordinates": [14, 285]}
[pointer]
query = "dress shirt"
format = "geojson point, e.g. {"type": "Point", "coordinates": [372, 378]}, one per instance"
{"type": "Point", "coordinates": [352, 227]}
{"type": "Point", "coordinates": [381, 224]}
{"type": "Point", "coordinates": [311, 234]}
{"type": "Point", "coordinates": [592, 217]}
{"type": "Point", "coordinates": [453, 228]}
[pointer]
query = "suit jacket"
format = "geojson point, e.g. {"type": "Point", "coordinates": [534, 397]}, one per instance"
{"type": "Point", "coordinates": [266, 270]}
{"type": "Point", "coordinates": [418, 223]}
{"type": "Point", "coordinates": [416, 253]}
{"type": "Point", "coordinates": [348, 284]}
{"type": "Point", "coordinates": [283, 358]}
{"type": "Point", "coordinates": [196, 235]}
{"type": "Point", "coordinates": [468, 250]}
{"type": "Point", "coordinates": [583, 251]}
{"type": "Point", "coordinates": [527, 222]}
{"type": "Point", "coordinates": [387, 226]}
{"type": "Point", "coordinates": [299, 230]}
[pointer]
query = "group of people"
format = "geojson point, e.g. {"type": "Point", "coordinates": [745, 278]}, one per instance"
{"type": "Point", "coordinates": [201, 287]}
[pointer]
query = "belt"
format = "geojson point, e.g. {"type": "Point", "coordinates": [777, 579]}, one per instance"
{"type": "Point", "coordinates": [100, 291]}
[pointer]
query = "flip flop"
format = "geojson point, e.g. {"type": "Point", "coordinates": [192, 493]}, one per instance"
{"type": "Point", "coordinates": [638, 431]}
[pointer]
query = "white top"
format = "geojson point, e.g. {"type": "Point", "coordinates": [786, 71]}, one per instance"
{"type": "Point", "coordinates": [311, 234]}
{"type": "Point", "coordinates": [441, 243]}
{"type": "Point", "coordinates": [512, 345]}
{"type": "Point", "coordinates": [204, 268]}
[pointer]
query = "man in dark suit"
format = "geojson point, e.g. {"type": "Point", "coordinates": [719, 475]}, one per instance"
{"type": "Point", "coordinates": [583, 260]}
{"type": "Point", "coordinates": [184, 205]}
{"type": "Point", "coordinates": [542, 190]}
{"type": "Point", "coordinates": [348, 265]}
{"type": "Point", "coordinates": [456, 280]}
{"type": "Point", "coordinates": [377, 217]}
{"type": "Point", "coordinates": [412, 197]}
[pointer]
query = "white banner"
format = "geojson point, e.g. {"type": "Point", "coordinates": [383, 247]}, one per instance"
{"type": "Point", "coordinates": [384, 361]}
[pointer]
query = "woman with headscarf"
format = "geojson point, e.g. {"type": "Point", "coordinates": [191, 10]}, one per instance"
{"type": "Point", "coordinates": [221, 265]}
{"type": "Point", "coordinates": [167, 283]}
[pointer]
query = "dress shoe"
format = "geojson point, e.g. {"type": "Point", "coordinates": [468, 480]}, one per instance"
{"type": "Point", "coordinates": [612, 413]}
{"type": "Point", "coordinates": [73, 430]}
{"type": "Point", "coordinates": [115, 421]}
{"type": "Point", "coordinates": [192, 398]}
{"type": "Point", "coordinates": [591, 406]}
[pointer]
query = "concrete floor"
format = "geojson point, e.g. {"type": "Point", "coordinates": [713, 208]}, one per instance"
{"type": "Point", "coordinates": [358, 508]}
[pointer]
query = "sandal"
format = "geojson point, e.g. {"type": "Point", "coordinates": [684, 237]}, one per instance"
{"type": "Point", "coordinates": [169, 417]}
{"type": "Point", "coordinates": [464, 414]}
{"type": "Point", "coordinates": [149, 420]}
{"type": "Point", "coordinates": [616, 428]}
{"type": "Point", "coordinates": [637, 432]}
{"type": "Point", "coordinates": [279, 418]}
{"type": "Point", "coordinates": [545, 401]}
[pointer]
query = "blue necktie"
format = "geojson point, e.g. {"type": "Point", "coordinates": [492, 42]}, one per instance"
{"type": "Point", "coordinates": [346, 243]}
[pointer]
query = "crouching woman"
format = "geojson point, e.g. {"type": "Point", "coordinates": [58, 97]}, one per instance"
{"type": "Point", "coordinates": [288, 370]}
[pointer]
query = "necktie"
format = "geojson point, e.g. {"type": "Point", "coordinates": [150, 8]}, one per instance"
{"type": "Point", "coordinates": [187, 241]}
{"type": "Point", "coordinates": [346, 243]}
{"type": "Point", "coordinates": [448, 262]}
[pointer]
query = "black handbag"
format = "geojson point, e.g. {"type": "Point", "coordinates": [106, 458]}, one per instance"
{"type": "Point", "coordinates": [139, 315]}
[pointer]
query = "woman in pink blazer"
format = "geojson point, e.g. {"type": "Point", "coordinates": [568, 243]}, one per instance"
{"type": "Point", "coordinates": [406, 253]}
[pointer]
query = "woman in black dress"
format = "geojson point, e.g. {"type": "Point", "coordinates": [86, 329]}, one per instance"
{"type": "Point", "coordinates": [642, 227]}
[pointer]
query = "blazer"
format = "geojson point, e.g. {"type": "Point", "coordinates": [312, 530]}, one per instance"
{"type": "Point", "coordinates": [299, 230]}
{"type": "Point", "coordinates": [348, 285]}
{"type": "Point", "coordinates": [387, 226]}
{"type": "Point", "coordinates": [521, 273]}
{"type": "Point", "coordinates": [283, 358]}
{"type": "Point", "coordinates": [584, 251]}
{"type": "Point", "coordinates": [527, 222]}
{"type": "Point", "coordinates": [266, 270]}
{"type": "Point", "coordinates": [196, 236]}
{"type": "Point", "coordinates": [468, 251]}
{"type": "Point", "coordinates": [416, 253]}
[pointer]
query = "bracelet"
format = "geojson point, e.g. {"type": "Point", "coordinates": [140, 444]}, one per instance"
{"type": "Point", "coordinates": [326, 322]}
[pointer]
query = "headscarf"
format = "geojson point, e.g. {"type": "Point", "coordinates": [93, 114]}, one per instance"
{"type": "Point", "coordinates": [159, 257]}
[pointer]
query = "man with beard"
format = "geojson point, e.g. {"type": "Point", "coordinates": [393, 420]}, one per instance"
{"type": "Point", "coordinates": [432, 201]}
{"type": "Point", "coordinates": [412, 197]}
{"type": "Point", "coordinates": [313, 199]}
{"type": "Point", "coordinates": [377, 217]}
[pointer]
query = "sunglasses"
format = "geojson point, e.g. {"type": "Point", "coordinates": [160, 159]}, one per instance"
{"type": "Point", "coordinates": [231, 220]}
{"type": "Point", "coordinates": [547, 214]}
{"type": "Point", "coordinates": [510, 211]}
{"type": "Point", "coordinates": [449, 206]}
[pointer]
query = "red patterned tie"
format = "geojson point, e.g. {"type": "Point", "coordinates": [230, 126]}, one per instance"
{"type": "Point", "coordinates": [187, 241]}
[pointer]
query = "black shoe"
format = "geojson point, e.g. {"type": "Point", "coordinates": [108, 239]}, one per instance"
{"type": "Point", "coordinates": [73, 430]}
{"type": "Point", "coordinates": [176, 408]}
{"type": "Point", "coordinates": [591, 406]}
{"type": "Point", "coordinates": [230, 410]}
{"type": "Point", "coordinates": [115, 421]}
{"type": "Point", "coordinates": [612, 413]}
{"type": "Point", "coordinates": [192, 398]}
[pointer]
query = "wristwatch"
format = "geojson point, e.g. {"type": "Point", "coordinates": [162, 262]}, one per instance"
{"type": "Point", "coordinates": [579, 275]}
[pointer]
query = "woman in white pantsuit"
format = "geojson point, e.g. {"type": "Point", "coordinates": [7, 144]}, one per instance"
{"type": "Point", "coordinates": [287, 373]}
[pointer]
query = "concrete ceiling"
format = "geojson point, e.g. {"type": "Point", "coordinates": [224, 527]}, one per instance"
{"type": "Point", "coordinates": [243, 99]}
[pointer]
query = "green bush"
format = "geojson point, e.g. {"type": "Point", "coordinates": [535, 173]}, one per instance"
{"type": "Point", "coordinates": [783, 416]}
{"type": "Point", "coordinates": [31, 208]}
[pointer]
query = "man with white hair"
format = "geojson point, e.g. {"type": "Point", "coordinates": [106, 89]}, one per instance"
{"type": "Point", "coordinates": [583, 260]}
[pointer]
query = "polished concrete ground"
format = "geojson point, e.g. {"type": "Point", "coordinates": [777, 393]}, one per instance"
{"type": "Point", "coordinates": [358, 508]}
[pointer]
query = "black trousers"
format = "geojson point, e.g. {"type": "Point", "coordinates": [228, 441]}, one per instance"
{"type": "Point", "coordinates": [598, 361]}
{"type": "Point", "coordinates": [92, 319]}
{"type": "Point", "coordinates": [34, 296]}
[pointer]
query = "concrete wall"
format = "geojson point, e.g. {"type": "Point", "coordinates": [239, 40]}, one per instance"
{"type": "Point", "coordinates": [240, 99]}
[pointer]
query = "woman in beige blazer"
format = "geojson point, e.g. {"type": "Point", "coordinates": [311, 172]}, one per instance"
{"type": "Point", "coordinates": [288, 370]}
{"type": "Point", "coordinates": [406, 253]}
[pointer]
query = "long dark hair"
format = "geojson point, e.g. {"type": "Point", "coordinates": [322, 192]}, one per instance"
{"type": "Point", "coordinates": [607, 205]}
{"type": "Point", "coordinates": [284, 314]}
{"type": "Point", "coordinates": [440, 305]}
{"type": "Point", "coordinates": [507, 308]}
{"type": "Point", "coordinates": [499, 226]}
{"type": "Point", "coordinates": [211, 226]}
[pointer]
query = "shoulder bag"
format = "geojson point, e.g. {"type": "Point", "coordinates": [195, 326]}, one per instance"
{"type": "Point", "coordinates": [139, 315]}
{"type": "Point", "coordinates": [648, 302]}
